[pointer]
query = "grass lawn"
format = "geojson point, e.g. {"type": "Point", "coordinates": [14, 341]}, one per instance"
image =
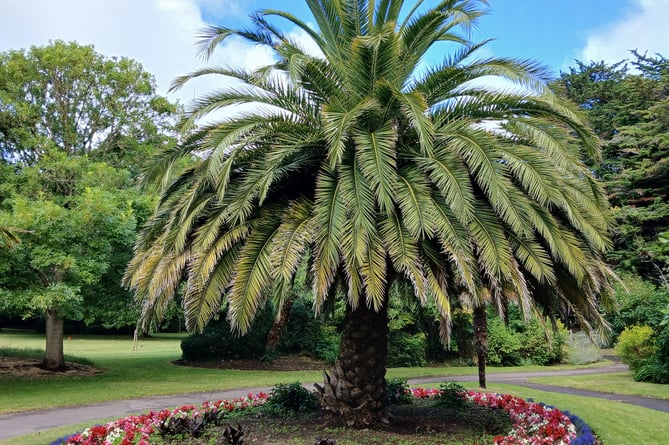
{"type": "Point", "coordinates": [616, 383]}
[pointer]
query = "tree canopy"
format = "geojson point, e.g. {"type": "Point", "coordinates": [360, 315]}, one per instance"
{"type": "Point", "coordinates": [628, 104]}
{"type": "Point", "coordinates": [76, 130]}
{"type": "Point", "coordinates": [69, 97]}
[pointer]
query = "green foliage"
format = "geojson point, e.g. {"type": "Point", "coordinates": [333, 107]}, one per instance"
{"type": "Point", "coordinates": [290, 400]}
{"type": "Point", "coordinates": [398, 392]}
{"type": "Point", "coordinates": [533, 341]}
{"type": "Point", "coordinates": [655, 369]}
{"type": "Point", "coordinates": [503, 344]}
{"type": "Point", "coordinates": [639, 302]}
{"type": "Point", "coordinates": [112, 112]}
{"type": "Point", "coordinates": [627, 103]}
{"type": "Point", "coordinates": [405, 349]}
{"type": "Point", "coordinates": [218, 342]}
{"type": "Point", "coordinates": [635, 344]}
{"type": "Point", "coordinates": [651, 370]}
{"type": "Point", "coordinates": [304, 331]}
{"type": "Point", "coordinates": [581, 349]}
{"type": "Point", "coordinates": [539, 348]}
{"type": "Point", "coordinates": [327, 348]}
{"type": "Point", "coordinates": [452, 395]}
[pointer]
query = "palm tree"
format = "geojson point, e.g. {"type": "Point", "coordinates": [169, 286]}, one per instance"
{"type": "Point", "coordinates": [377, 169]}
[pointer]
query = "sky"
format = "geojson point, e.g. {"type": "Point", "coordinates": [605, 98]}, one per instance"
{"type": "Point", "coordinates": [161, 34]}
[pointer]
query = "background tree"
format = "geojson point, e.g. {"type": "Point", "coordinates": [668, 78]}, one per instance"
{"type": "Point", "coordinates": [71, 238]}
{"type": "Point", "coordinates": [76, 128]}
{"type": "Point", "coordinates": [68, 96]}
{"type": "Point", "coordinates": [380, 171]}
{"type": "Point", "coordinates": [628, 104]}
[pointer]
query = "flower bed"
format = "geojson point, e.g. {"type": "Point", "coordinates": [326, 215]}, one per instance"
{"type": "Point", "coordinates": [139, 429]}
{"type": "Point", "coordinates": [534, 423]}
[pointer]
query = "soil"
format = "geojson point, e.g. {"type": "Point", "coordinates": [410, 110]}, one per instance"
{"type": "Point", "coordinates": [26, 367]}
{"type": "Point", "coordinates": [415, 425]}
{"type": "Point", "coordinates": [283, 363]}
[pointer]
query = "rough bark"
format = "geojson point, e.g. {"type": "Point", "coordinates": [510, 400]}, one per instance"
{"type": "Point", "coordinates": [354, 389]}
{"type": "Point", "coordinates": [481, 341]}
{"type": "Point", "coordinates": [54, 360]}
{"type": "Point", "coordinates": [274, 334]}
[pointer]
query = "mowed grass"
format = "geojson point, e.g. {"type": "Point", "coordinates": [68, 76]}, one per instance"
{"type": "Point", "coordinates": [126, 373]}
{"type": "Point", "coordinates": [615, 383]}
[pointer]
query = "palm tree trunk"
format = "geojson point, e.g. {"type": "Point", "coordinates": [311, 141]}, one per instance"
{"type": "Point", "coordinates": [54, 360]}
{"type": "Point", "coordinates": [481, 341]}
{"type": "Point", "coordinates": [354, 390]}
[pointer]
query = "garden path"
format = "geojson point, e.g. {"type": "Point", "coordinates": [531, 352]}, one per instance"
{"type": "Point", "coordinates": [22, 423]}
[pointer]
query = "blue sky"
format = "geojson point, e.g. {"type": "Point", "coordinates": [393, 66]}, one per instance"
{"type": "Point", "coordinates": [550, 31]}
{"type": "Point", "coordinates": [161, 33]}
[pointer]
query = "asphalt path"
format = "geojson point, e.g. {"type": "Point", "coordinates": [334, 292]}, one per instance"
{"type": "Point", "coordinates": [28, 422]}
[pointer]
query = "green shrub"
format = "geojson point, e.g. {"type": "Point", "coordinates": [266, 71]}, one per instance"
{"type": "Point", "coordinates": [452, 395]}
{"type": "Point", "coordinates": [218, 342]}
{"type": "Point", "coordinates": [327, 347]}
{"type": "Point", "coordinates": [539, 349]}
{"type": "Point", "coordinates": [503, 344]}
{"type": "Point", "coordinates": [302, 333]}
{"type": "Point", "coordinates": [581, 350]}
{"type": "Point", "coordinates": [655, 369]}
{"type": "Point", "coordinates": [651, 370]}
{"type": "Point", "coordinates": [640, 302]}
{"type": "Point", "coordinates": [398, 392]}
{"type": "Point", "coordinates": [290, 400]}
{"type": "Point", "coordinates": [635, 345]}
{"type": "Point", "coordinates": [405, 349]}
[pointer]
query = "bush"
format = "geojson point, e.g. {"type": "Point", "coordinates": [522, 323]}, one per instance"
{"type": "Point", "coordinates": [503, 344]}
{"type": "Point", "coordinates": [302, 333]}
{"type": "Point", "coordinates": [537, 349]}
{"type": "Point", "coordinates": [651, 370]}
{"type": "Point", "coordinates": [452, 395]}
{"type": "Point", "coordinates": [635, 345]}
{"type": "Point", "coordinates": [218, 342]}
{"type": "Point", "coordinates": [641, 303]}
{"type": "Point", "coordinates": [655, 369]}
{"type": "Point", "coordinates": [398, 392]}
{"type": "Point", "coordinates": [327, 347]}
{"type": "Point", "coordinates": [581, 350]}
{"type": "Point", "coordinates": [290, 400]}
{"type": "Point", "coordinates": [405, 349]}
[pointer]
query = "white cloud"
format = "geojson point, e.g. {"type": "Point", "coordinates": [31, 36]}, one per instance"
{"type": "Point", "coordinates": [642, 28]}
{"type": "Point", "coordinates": [160, 34]}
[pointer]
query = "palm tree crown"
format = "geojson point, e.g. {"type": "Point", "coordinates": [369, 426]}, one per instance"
{"type": "Point", "coordinates": [376, 169]}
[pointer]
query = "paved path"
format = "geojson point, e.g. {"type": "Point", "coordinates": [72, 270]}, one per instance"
{"type": "Point", "coordinates": [19, 424]}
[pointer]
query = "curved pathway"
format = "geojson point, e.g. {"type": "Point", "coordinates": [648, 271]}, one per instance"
{"type": "Point", "coordinates": [22, 423]}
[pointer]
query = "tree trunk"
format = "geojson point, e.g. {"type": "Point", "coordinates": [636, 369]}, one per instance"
{"type": "Point", "coordinates": [481, 341]}
{"type": "Point", "coordinates": [274, 334]}
{"type": "Point", "coordinates": [354, 390]}
{"type": "Point", "coordinates": [54, 360]}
